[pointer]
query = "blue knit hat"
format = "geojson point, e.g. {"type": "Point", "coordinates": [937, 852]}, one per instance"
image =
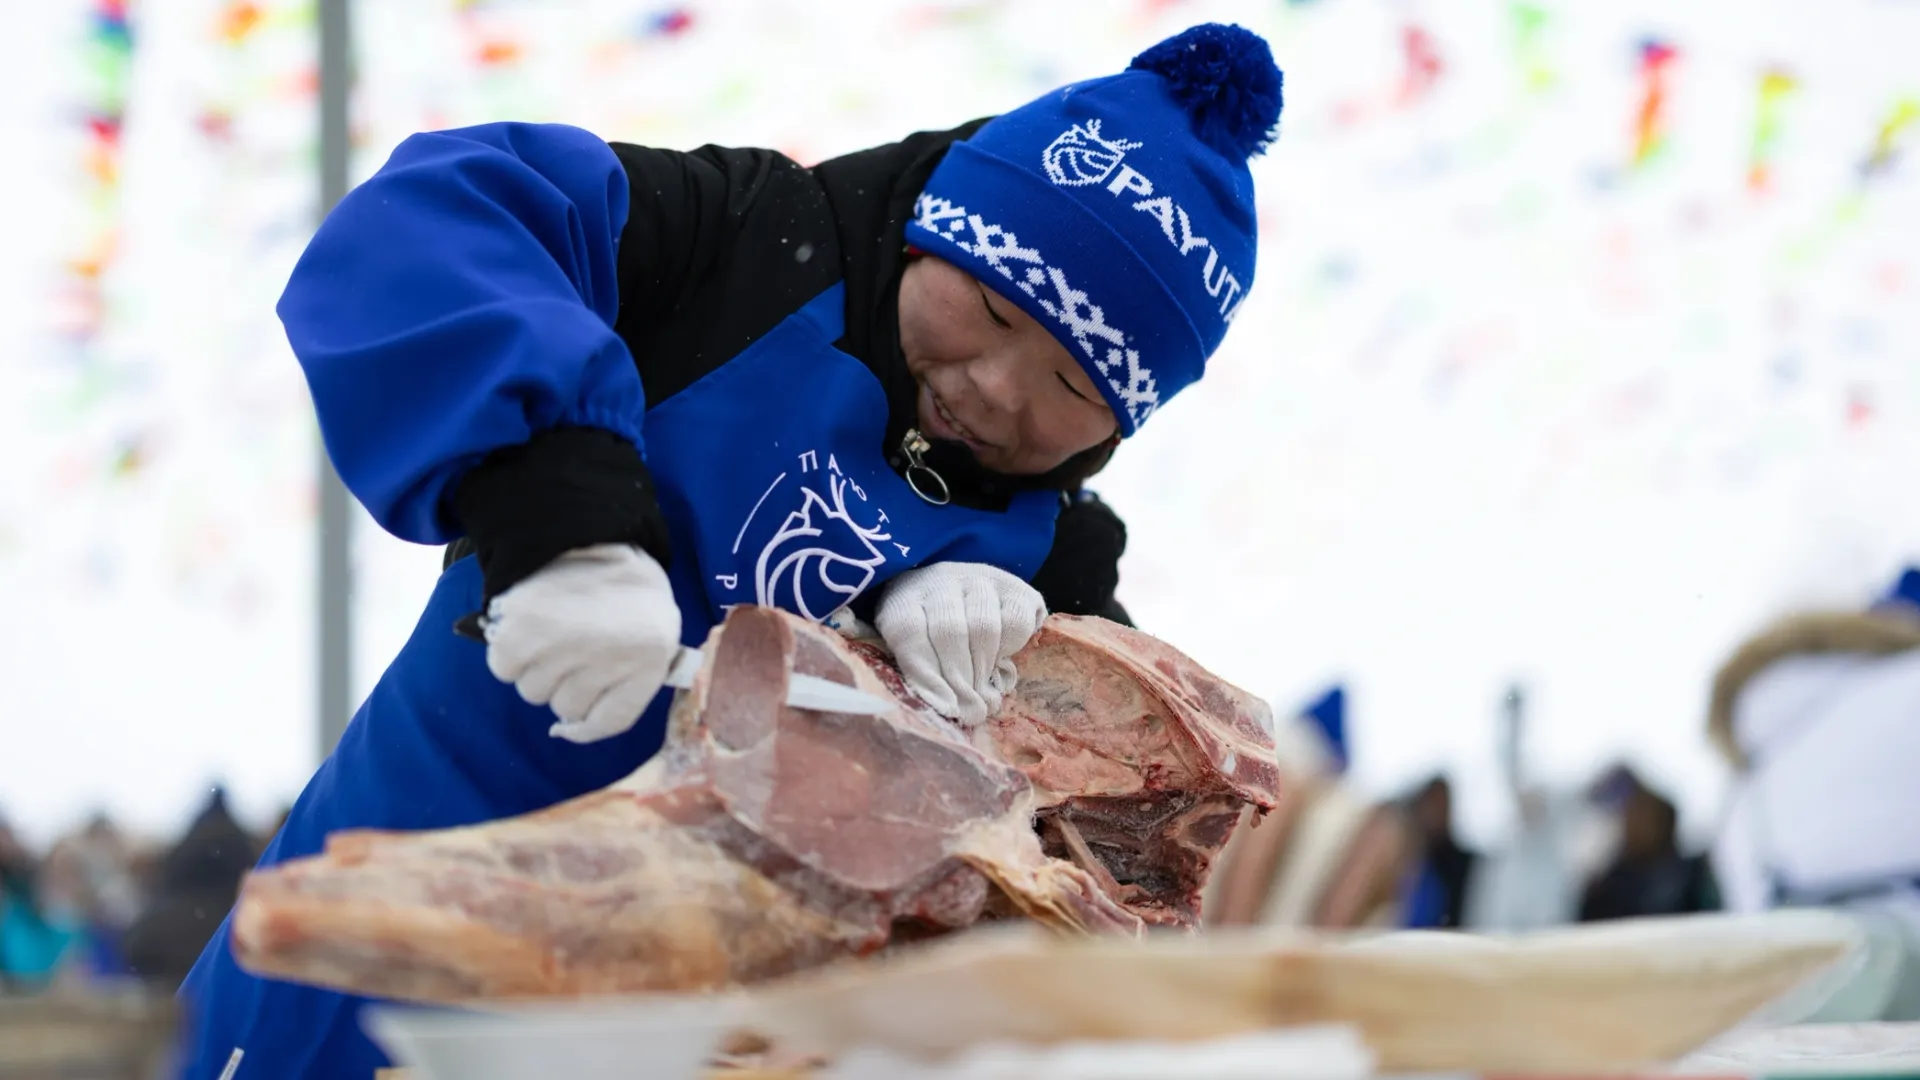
{"type": "Point", "coordinates": [1118, 211]}
{"type": "Point", "coordinates": [1903, 596]}
{"type": "Point", "coordinates": [1328, 715]}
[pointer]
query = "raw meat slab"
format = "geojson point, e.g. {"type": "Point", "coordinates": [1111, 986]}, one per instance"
{"type": "Point", "coordinates": [765, 840]}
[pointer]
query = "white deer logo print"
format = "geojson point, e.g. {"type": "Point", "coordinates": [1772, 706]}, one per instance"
{"type": "Point", "coordinates": [1079, 156]}
{"type": "Point", "coordinates": [819, 558]}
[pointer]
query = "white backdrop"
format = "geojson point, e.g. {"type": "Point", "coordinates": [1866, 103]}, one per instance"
{"type": "Point", "coordinates": [1538, 380]}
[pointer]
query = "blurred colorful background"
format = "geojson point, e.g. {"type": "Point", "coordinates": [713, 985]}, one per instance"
{"type": "Point", "coordinates": [1586, 337]}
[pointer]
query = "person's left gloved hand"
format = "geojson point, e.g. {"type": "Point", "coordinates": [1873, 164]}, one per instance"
{"type": "Point", "coordinates": [953, 629]}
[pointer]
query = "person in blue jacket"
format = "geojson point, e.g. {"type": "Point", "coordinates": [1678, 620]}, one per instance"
{"type": "Point", "coordinates": [633, 387]}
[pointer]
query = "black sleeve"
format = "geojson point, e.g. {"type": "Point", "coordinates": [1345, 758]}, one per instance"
{"type": "Point", "coordinates": [567, 487]}
{"type": "Point", "coordinates": [523, 506]}
{"type": "Point", "coordinates": [1082, 572]}
{"type": "Point", "coordinates": [721, 245]}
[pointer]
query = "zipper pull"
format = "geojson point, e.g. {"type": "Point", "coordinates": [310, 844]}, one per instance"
{"type": "Point", "coordinates": [913, 444]}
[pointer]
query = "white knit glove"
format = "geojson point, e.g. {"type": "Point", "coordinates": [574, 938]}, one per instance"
{"type": "Point", "coordinates": [592, 633]}
{"type": "Point", "coordinates": [953, 629]}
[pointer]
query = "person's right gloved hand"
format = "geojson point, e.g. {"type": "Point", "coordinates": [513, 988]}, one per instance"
{"type": "Point", "coordinates": [592, 634]}
{"type": "Point", "coordinates": [953, 628]}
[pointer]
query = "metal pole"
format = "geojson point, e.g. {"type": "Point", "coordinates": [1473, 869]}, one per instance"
{"type": "Point", "coordinates": [336, 506]}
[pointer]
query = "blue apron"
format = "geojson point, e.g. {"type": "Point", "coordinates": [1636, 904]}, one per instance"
{"type": "Point", "coordinates": [773, 480]}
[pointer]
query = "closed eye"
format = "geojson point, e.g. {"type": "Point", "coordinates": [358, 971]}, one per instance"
{"type": "Point", "coordinates": [1074, 390]}
{"type": "Point", "coordinates": [992, 314]}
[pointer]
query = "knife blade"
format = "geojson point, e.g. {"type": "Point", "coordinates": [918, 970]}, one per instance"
{"type": "Point", "coordinates": [803, 691]}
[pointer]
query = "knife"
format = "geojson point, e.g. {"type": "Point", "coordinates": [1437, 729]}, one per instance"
{"type": "Point", "coordinates": [803, 691]}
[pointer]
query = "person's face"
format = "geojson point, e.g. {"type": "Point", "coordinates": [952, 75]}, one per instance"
{"type": "Point", "coordinates": [1646, 827]}
{"type": "Point", "coordinates": [1433, 810]}
{"type": "Point", "coordinates": [991, 377]}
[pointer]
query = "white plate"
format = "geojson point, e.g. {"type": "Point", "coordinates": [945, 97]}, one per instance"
{"type": "Point", "coordinates": [1813, 1050]}
{"type": "Point", "coordinates": [645, 1039]}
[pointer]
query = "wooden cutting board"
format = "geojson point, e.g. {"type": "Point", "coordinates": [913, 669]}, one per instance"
{"type": "Point", "coordinates": [1614, 997]}
{"type": "Point", "coordinates": [1586, 999]}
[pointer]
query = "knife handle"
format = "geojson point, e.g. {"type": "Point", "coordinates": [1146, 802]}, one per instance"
{"type": "Point", "coordinates": [472, 626]}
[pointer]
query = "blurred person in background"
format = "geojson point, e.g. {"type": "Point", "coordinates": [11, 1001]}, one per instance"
{"type": "Point", "coordinates": [31, 943]}
{"type": "Point", "coordinates": [1443, 867]}
{"type": "Point", "coordinates": [1819, 716]}
{"type": "Point", "coordinates": [196, 882]}
{"type": "Point", "coordinates": [90, 883]}
{"type": "Point", "coordinates": [1326, 856]}
{"type": "Point", "coordinates": [1561, 838]}
{"type": "Point", "coordinates": [1526, 882]}
{"type": "Point", "coordinates": [626, 382]}
{"type": "Point", "coordinates": [1649, 875]}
